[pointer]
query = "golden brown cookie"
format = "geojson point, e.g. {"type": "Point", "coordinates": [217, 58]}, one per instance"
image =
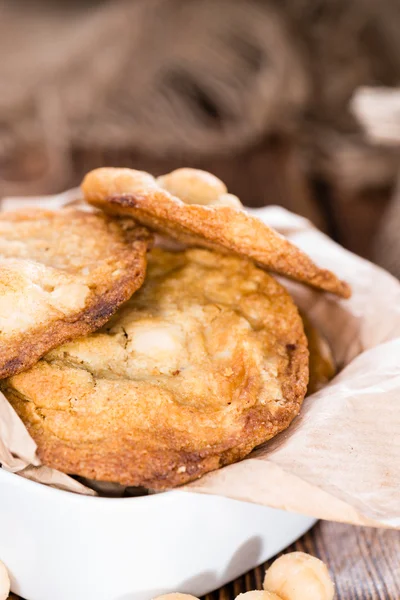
{"type": "Point", "coordinates": [322, 365]}
{"type": "Point", "coordinates": [171, 205]}
{"type": "Point", "coordinates": [206, 361]}
{"type": "Point", "coordinates": [62, 275]}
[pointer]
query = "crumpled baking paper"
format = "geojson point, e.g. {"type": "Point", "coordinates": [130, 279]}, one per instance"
{"type": "Point", "coordinates": [340, 459]}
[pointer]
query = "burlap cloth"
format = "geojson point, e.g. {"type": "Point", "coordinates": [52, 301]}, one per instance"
{"type": "Point", "coordinates": [191, 78]}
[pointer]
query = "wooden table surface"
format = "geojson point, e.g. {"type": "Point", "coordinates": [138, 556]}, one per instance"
{"type": "Point", "coordinates": [364, 562]}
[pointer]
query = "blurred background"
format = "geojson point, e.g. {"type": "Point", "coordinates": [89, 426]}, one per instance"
{"type": "Point", "coordinates": [290, 102]}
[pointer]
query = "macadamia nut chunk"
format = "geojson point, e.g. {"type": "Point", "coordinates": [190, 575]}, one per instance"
{"type": "Point", "coordinates": [258, 595]}
{"type": "Point", "coordinates": [193, 186]}
{"type": "Point", "coordinates": [4, 582]}
{"type": "Point", "coordinates": [299, 576]}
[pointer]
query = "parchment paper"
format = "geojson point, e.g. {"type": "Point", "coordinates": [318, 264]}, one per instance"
{"type": "Point", "coordinates": [340, 459]}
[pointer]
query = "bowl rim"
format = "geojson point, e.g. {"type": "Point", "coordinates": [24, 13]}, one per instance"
{"type": "Point", "coordinates": [69, 496]}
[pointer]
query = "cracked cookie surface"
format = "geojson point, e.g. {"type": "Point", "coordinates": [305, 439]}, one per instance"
{"type": "Point", "coordinates": [206, 361]}
{"type": "Point", "coordinates": [62, 275]}
{"type": "Point", "coordinates": [193, 207]}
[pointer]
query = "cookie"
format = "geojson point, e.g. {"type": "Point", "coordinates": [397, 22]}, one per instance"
{"type": "Point", "coordinates": [322, 365]}
{"type": "Point", "coordinates": [206, 361]}
{"type": "Point", "coordinates": [171, 205]}
{"type": "Point", "coordinates": [62, 275]}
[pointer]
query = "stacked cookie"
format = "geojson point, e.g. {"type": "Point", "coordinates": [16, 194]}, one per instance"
{"type": "Point", "coordinates": [144, 341]}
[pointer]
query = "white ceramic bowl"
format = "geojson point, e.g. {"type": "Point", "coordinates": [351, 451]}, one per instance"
{"type": "Point", "coordinates": [61, 546]}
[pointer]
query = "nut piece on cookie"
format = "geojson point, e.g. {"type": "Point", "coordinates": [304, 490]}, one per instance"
{"type": "Point", "coordinates": [193, 186]}
{"type": "Point", "coordinates": [299, 576]}
{"type": "Point", "coordinates": [193, 208]}
{"type": "Point", "coordinates": [4, 582]}
{"type": "Point", "coordinates": [258, 595]}
{"type": "Point", "coordinates": [63, 274]}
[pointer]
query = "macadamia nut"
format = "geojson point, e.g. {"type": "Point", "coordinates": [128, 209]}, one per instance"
{"type": "Point", "coordinates": [229, 200]}
{"type": "Point", "coordinates": [258, 595]}
{"type": "Point", "coordinates": [175, 596]}
{"type": "Point", "coordinates": [193, 186]}
{"type": "Point", "coordinates": [4, 582]}
{"type": "Point", "coordinates": [197, 187]}
{"type": "Point", "coordinates": [299, 576]}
